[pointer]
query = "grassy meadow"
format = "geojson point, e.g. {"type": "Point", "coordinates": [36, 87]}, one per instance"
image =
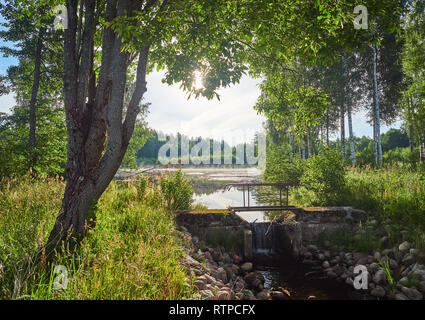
{"type": "Point", "coordinates": [133, 253]}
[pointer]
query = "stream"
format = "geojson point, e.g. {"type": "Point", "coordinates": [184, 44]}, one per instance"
{"type": "Point", "coordinates": [279, 271]}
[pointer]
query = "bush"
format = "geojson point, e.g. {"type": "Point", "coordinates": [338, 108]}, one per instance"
{"type": "Point", "coordinates": [325, 177]}
{"type": "Point", "coordinates": [280, 169]}
{"type": "Point", "coordinates": [177, 191]}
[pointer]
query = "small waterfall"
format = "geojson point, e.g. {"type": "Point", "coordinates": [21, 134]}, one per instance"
{"type": "Point", "coordinates": [263, 238]}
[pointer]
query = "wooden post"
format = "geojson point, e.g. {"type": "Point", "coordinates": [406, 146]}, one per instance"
{"type": "Point", "coordinates": [248, 196]}
{"type": "Point", "coordinates": [287, 195]}
{"type": "Point", "coordinates": [243, 190]}
{"type": "Point", "coordinates": [280, 196]}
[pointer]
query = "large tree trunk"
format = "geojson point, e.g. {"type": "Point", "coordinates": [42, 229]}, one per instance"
{"type": "Point", "coordinates": [350, 121]}
{"type": "Point", "coordinates": [94, 110]}
{"type": "Point", "coordinates": [33, 101]}
{"type": "Point", "coordinates": [377, 112]}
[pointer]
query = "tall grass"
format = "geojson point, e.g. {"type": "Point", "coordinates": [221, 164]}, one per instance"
{"type": "Point", "coordinates": [394, 195]}
{"type": "Point", "coordinates": [133, 253]}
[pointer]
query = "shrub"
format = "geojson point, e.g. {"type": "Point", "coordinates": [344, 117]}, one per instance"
{"type": "Point", "coordinates": [325, 177]}
{"type": "Point", "coordinates": [280, 169]}
{"type": "Point", "coordinates": [177, 191]}
{"type": "Point", "coordinates": [142, 185]}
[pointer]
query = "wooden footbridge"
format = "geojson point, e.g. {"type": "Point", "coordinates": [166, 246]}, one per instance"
{"type": "Point", "coordinates": [247, 187]}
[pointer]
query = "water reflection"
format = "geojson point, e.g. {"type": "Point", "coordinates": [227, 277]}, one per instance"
{"type": "Point", "coordinates": [213, 195]}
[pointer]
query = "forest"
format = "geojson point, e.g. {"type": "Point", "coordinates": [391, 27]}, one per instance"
{"type": "Point", "coordinates": [80, 117]}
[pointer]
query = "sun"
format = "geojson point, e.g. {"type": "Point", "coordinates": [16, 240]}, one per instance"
{"type": "Point", "coordinates": [198, 80]}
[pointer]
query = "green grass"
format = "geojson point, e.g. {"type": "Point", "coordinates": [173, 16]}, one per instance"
{"type": "Point", "coordinates": [395, 195]}
{"type": "Point", "coordinates": [133, 253]}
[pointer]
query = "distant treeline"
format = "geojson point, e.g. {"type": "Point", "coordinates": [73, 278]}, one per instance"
{"type": "Point", "coordinates": [149, 153]}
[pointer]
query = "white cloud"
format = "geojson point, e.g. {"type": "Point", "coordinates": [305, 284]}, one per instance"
{"type": "Point", "coordinates": [231, 118]}
{"type": "Point", "coordinates": [7, 102]}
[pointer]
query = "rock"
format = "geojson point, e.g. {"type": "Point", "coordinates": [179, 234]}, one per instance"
{"type": "Point", "coordinates": [207, 294]}
{"type": "Point", "coordinates": [378, 291]}
{"type": "Point", "coordinates": [223, 295]}
{"type": "Point", "coordinates": [379, 277]}
{"type": "Point", "coordinates": [393, 264]}
{"type": "Point", "coordinates": [377, 256]}
{"type": "Point", "coordinates": [248, 295]}
{"type": "Point", "coordinates": [311, 298]}
{"type": "Point", "coordinates": [263, 295]}
{"type": "Point", "coordinates": [373, 267]}
{"type": "Point", "coordinates": [386, 252]}
{"type": "Point", "coordinates": [221, 275]}
{"type": "Point", "coordinates": [404, 281]}
{"type": "Point", "coordinates": [325, 265]}
{"type": "Point", "coordinates": [246, 267]}
{"type": "Point", "coordinates": [201, 285]}
{"type": "Point", "coordinates": [359, 255]}
{"type": "Point", "coordinates": [250, 278]}
{"type": "Point", "coordinates": [197, 272]}
{"type": "Point", "coordinates": [405, 246]}
{"type": "Point", "coordinates": [308, 255]}
{"type": "Point", "coordinates": [418, 274]}
{"type": "Point", "coordinates": [210, 279]}
{"type": "Point", "coordinates": [384, 241]}
{"type": "Point", "coordinates": [312, 248]}
{"type": "Point", "coordinates": [327, 254]}
{"type": "Point", "coordinates": [350, 282]}
{"type": "Point", "coordinates": [239, 286]}
{"type": "Point", "coordinates": [226, 258]}
{"type": "Point", "coordinates": [188, 261]}
{"type": "Point", "coordinates": [408, 259]}
{"type": "Point", "coordinates": [400, 296]}
{"type": "Point", "coordinates": [321, 256]}
{"type": "Point", "coordinates": [412, 293]}
{"type": "Point", "coordinates": [239, 296]}
{"type": "Point", "coordinates": [217, 257]}
{"type": "Point", "coordinates": [278, 295]}
{"type": "Point", "coordinates": [331, 274]}
{"type": "Point", "coordinates": [422, 286]}
{"type": "Point", "coordinates": [208, 256]}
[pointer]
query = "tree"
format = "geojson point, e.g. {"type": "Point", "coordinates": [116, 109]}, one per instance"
{"type": "Point", "coordinates": [413, 66]}
{"type": "Point", "coordinates": [38, 51]}
{"type": "Point", "coordinates": [181, 36]}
